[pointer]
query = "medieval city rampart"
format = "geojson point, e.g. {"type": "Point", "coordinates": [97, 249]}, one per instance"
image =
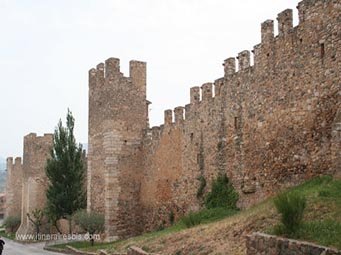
{"type": "Point", "coordinates": [13, 187]}
{"type": "Point", "coordinates": [27, 181]}
{"type": "Point", "coordinates": [269, 125]}
{"type": "Point", "coordinates": [117, 119]}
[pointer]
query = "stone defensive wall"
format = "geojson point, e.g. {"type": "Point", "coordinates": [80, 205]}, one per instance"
{"type": "Point", "coordinates": [267, 125]}
{"type": "Point", "coordinates": [13, 187]}
{"type": "Point", "coordinates": [27, 183]}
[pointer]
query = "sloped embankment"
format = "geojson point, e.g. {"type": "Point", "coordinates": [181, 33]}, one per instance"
{"type": "Point", "coordinates": [227, 236]}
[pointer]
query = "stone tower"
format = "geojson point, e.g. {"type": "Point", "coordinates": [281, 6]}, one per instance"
{"type": "Point", "coordinates": [118, 115]}
{"type": "Point", "coordinates": [36, 152]}
{"type": "Point", "coordinates": [13, 187]}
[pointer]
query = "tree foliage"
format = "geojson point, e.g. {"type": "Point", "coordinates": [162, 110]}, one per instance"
{"type": "Point", "coordinates": [65, 170]}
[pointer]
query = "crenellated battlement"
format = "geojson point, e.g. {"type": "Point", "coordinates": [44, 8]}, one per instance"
{"type": "Point", "coordinates": [168, 117]}
{"type": "Point", "coordinates": [31, 177]}
{"type": "Point", "coordinates": [138, 74]}
{"type": "Point", "coordinates": [9, 161]}
{"type": "Point", "coordinates": [267, 32]}
{"type": "Point", "coordinates": [38, 141]}
{"type": "Point", "coordinates": [13, 187]}
{"type": "Point", "coordinates": [308, 9]}
{"type": "Point", "coordinates": [11, 164]}
{"type": "Point", "coordinates": [112, 68]}
{"type": "Point", "coordinates": [18, 161]}
{"type": "Point", "coordinates": [105, 73]}
{"type": "Point", "coordinates": [118, 123]}
{"type": "Point", "coordinates": [179, 115]}
{"type": "Point", "coordinates": [263, 53]}
{"type": "Point", "coordinates": [207, 91]}
{"type": "Point", "coordinates": [229, 66]}
{"type": "Point", "coordinates": [218, 85]}
{"type": "Point", "coordinates": [243, 60]}
{"type": "Point", "coordinates": [285, 22]}
{"type": "Point", "coordinates": [266, 124]}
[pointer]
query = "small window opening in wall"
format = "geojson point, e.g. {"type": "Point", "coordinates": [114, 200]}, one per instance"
{"type": "Point", "coordinates": [125, 141]}
{"type": "Point", "coordinates": [192, 136]}
{"type": "Point", "coordinates": [301, 40]}
{"type": "Point", "coordinates": [268, 54]}
{"type": "Point", "coordinates": [322, 50]}
{"type": "Point", "coordinates": [236, 122]}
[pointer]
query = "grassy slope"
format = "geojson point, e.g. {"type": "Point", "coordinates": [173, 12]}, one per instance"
{"type": "Point", "coordinates": [227, 236]}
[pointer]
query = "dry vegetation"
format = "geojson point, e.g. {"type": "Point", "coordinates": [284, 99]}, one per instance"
{"type": "Point", "coordinates": [227, 236]}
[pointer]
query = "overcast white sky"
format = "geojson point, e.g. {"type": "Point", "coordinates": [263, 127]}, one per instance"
{"type": "Point", "coordinates": [47, 48]}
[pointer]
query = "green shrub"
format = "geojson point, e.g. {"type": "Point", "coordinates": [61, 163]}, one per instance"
{"type": "Point", "coordinates": [12, 223]}
{"type": "Point", "coordinates": [90, 222]}
{"type": "Point", "coordinates": [291, 206]}
{"type": "Point", "coordinates": [206, 216]}
{"type": "Point", "coordinates": [191, 220]}
{"type": "Point", "coordinates": [222, 194]}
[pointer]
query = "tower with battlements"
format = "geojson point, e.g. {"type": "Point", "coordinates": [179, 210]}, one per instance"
{"type": "Point", "coordinates": [34, 180]}
{"type": "Point", "coordinates": [14, 187]}
{"type": "Point", "coordinates": [118, 116]}
{"type": "Point", "coordinates": [267, 124]}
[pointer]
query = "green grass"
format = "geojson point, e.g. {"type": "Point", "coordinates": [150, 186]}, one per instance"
{"type": "Point", "coordinates": [326, 232]}
{"type": "Point", "coordinates": [322, 219]}
{"type": "Point", "coordinates": [206, 216]}
{"type": "Point", "coordinates": [202, 217]}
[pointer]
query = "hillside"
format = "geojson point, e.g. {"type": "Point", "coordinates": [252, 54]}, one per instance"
{"type": "Point", "coordinates": [227, 236]}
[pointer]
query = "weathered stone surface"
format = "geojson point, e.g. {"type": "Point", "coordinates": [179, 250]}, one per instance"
{"type": "Point", "coordinates": [267, 126]}
{"type": "Point", "coordinates": [262, 244]}
{"type": "Point", "coordinates": [336, 144]}
{"type": "Point", "coordinates": [14, 187]}
{"type": "Point", "coordinates": [117, 118]}
{"type": "Point", "coordinates": [34, 180]}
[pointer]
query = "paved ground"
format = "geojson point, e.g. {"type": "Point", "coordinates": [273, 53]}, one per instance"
{"type": "Point", "coordinates": [14, 248]}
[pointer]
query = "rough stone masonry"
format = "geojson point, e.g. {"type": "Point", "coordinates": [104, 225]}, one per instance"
{"type": "Point", "coordinates": [27, 182]}
{"type": "Point", "coordinates": [269, 125]}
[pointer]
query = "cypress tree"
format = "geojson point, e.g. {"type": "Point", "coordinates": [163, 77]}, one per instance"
{"type": "Point", "coordinates": [65, 170]}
